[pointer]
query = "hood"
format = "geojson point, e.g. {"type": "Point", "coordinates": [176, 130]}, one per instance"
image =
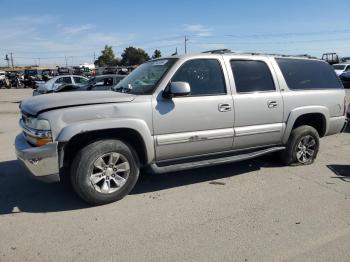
{"type": "Point", "coordinates": [35, 105]}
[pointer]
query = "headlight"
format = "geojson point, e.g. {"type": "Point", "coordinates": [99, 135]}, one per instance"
{"type": "Point", "coordinates": [37, 131]}
{"type": "Point", "coordinates": [37, 124]}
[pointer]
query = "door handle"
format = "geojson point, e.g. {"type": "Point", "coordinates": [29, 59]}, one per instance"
{"type": "Point", "coordinates": [224, 107]}
{"type": "Point", "coordinates": [272, 104]}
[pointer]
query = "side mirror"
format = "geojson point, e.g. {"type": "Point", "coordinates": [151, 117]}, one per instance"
{"type": "Point", "coordinates": [177, 89]}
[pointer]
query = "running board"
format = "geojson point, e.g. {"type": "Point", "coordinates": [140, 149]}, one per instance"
{"type": "Point", "coordinates": [211, 162]}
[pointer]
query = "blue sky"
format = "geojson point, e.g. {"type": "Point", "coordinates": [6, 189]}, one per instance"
{"type": "Point", "coordinates": [53, 30]}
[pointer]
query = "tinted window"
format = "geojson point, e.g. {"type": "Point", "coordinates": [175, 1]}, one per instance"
{"type": "Point", "coordinates": [252, 76]}
{"type": "Point", "coordinates": [204, 76]}
{"type": "Point", "coordinates": [79, 80]}
{"type": "Point", "coordinates": [308, 74]}
{"type": "Point", "coordinates": [339, 67]}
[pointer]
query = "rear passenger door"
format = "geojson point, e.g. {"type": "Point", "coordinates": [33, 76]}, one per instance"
{"type": "Point", "coordinates": [258, 103]}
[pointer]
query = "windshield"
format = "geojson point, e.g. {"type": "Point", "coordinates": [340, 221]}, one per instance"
{"type": "Point", "coordinates": [145, 78]}
{"type": "Point", "coordinates": [339, 67]}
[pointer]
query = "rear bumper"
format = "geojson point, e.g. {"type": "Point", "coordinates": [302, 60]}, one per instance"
{"type": "Point", "coordinates": [42, 162]}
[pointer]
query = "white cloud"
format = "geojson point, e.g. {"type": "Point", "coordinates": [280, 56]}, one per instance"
{"type": "Point", "coordinates": [47, 38]}
{"type": "Point", "coordinates": [32, 20]}
{"type": "Point", "coordinates": [198, 29]}
{"type": "Point", "coordinates": [71, 30]}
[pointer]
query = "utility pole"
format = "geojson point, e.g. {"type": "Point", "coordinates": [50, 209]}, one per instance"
{"type": "Point", "coordinates": [186, 40]}
{"type": "Point", "coordinates": [11, 59]}
{"type": "Point", "coordinates": [65, 57]}
{"type": "Point", "coordinates": [8, 60]}
{"type": "Point", "coordinates": [94, 58]}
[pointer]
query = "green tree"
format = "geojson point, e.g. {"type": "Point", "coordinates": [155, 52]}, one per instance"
{"type": "Point", "coordinates": [107, 58]}
{"type": "Point", "coordinates": [134, 56]}
{"type": "Point", "coordinates": [156, 54]}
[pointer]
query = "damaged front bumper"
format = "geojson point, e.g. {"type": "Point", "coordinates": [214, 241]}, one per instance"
{"type": "Point", "coordinates": [42, 162]}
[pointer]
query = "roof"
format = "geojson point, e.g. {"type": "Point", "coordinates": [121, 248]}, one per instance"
{"type": "Point", "coordinates": [110, 75]}
{"type": "Point", "coordinates": [238, 54]}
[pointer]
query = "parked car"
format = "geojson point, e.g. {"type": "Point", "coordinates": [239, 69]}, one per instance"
{"type": "Point", "coordinates": [331, 58]}
{"type": "Point", "coordinates": [65, 71]}
{"type": "Point", "coordinates": [178, 113]}
{"type": "Point", "coordinates": [4, 81]}
{"type": "Point", "coordinates": [99, 83]}
{"type": "Point", "coordinates": [15, 80]}
{"type": "Point", "coordinates": [345, 78]}
{"type": "Point", "coordinates": [2, 75]}
{"type": "Point", "coordinates": [31, 76]}
{"type": "Point", "coordinates": [47, 74]}
{"type": "Point", "coordinates": [110, 70]}
{"type": "Point", "coordinates": [341, 68]}
{"type": "Point", "coordinates": [54, 83]}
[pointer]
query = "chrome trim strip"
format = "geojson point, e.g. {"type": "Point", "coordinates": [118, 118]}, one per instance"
{"type": "Point", "coordinates": [195, 136]}
{"type": "Point", "coordinates": [258, 129]}
{"type": "Point", "coordinates": [211, 162]}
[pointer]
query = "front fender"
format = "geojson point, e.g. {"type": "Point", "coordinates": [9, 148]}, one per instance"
{"type": "Point", "coordinates": [111, 123]}
{"type": "Point", "coordinates": [295, 113]}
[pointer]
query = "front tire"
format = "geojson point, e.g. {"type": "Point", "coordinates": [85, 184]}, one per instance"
{"type": "Point", "coordinates": [302, 146]}
{"type": "Point", "coordinates": [104, 171]}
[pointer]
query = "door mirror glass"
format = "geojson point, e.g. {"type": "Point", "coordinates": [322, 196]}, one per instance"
{"type": "Point", "coordinates": [177, 89]}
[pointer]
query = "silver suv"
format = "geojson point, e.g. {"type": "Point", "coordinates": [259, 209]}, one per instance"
{"type": "Point", "coordinates": [178, 113]}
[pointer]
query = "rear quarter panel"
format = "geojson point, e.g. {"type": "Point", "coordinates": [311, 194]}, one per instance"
{"type": "Point", "coordinates": [329, 102]}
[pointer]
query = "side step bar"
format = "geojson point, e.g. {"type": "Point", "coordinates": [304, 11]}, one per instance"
{"type": "Point", "coordinates": [211, 162]}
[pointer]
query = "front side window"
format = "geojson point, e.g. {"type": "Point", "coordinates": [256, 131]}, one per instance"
{"type": "Point", "coordinates": [252, 76]}
{"type": "Point", "coordinates": [302, 74]}
{"type": "Point", "coordinates": [145, 78]}
{"type": "Point", "coordinates": [205, 77]}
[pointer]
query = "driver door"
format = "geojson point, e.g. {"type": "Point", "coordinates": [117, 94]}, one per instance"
{"type": "Point", "coordinates": [198, 124]}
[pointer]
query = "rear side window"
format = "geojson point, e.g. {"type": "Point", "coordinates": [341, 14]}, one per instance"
{"type": "Point", "coordinates": [79, 80]}
{"type": "Point", "coordinates": [303, 74]}
{"type": "Point", "coordinates": [205, 77]}
{"type": "Point", "coordinates": [64, 80]}
{"type": "Point", "coordinates": [252, 76]}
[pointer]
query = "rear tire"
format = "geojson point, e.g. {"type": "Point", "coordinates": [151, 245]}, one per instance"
{"type": "Point", "coordinates": [302, 146]}
{"type": "Point", "coordinates": [104, 171]}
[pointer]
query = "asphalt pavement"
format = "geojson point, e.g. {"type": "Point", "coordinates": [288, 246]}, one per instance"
{"type": "Point", "coordinates": [256, 210]}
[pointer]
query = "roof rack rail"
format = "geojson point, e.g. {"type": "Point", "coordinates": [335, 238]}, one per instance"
{"type": "Point", "coordinates": [218, 51]}
{"type": "Point", "coordinates": [281, 55]}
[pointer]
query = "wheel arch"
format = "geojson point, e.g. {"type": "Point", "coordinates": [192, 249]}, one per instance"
{"type": "Point", "coordinates": [315, 116]}
{"type": "Point", "coordinates": [135, 133]}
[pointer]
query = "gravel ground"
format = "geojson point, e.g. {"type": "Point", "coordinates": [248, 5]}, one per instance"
{"type": "Point", "coordinates": [255, 210]}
